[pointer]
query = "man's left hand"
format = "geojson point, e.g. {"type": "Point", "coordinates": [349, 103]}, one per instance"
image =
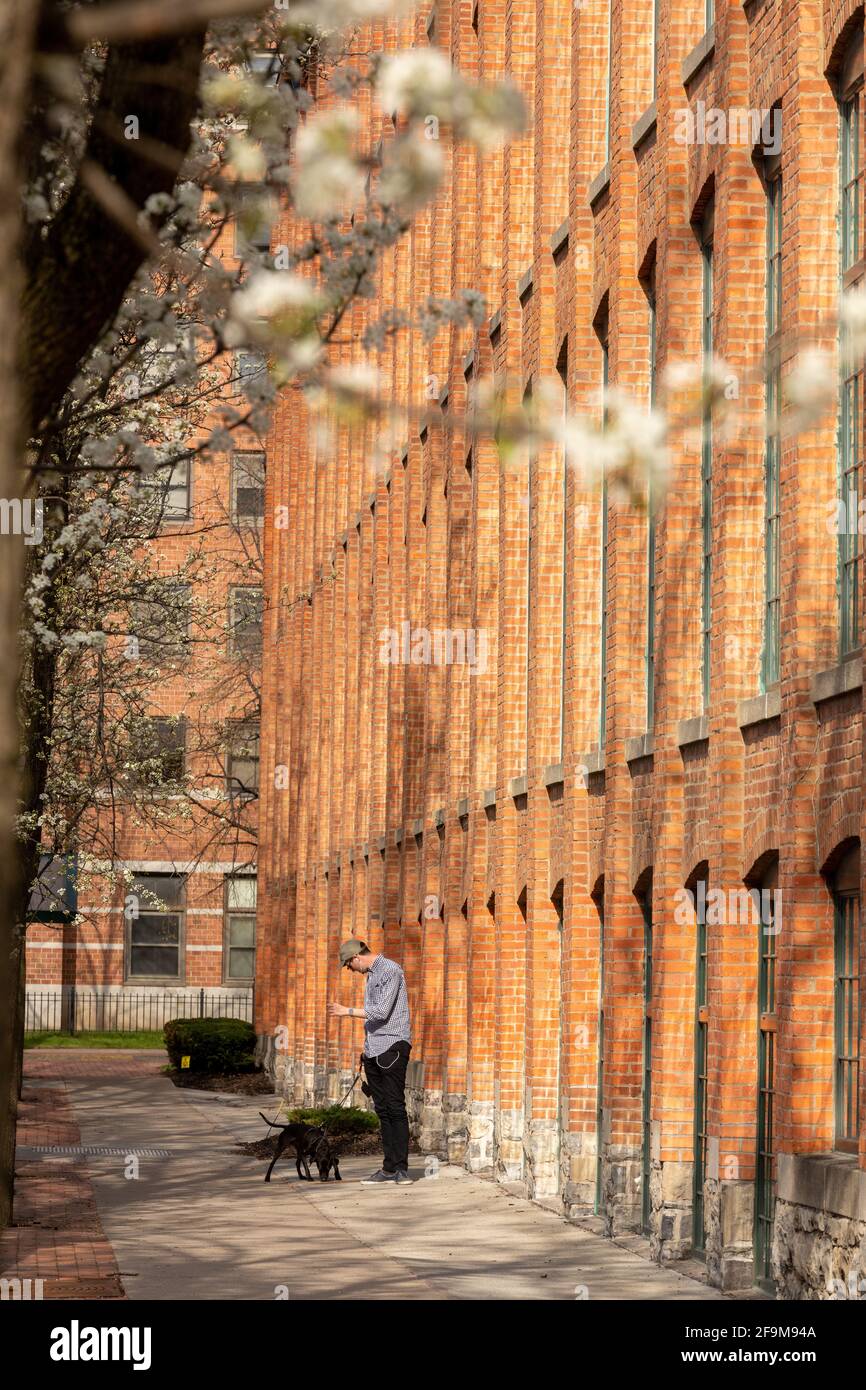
{"type": "Point", "coordinates": [337, 1010]}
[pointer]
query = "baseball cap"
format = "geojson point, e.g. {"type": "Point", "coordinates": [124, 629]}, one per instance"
{"type": "Point", "coordinates": [350, 949]}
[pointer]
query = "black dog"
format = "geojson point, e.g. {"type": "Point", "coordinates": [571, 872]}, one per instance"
{"type": "Point", "coordinates": [308, 1142]}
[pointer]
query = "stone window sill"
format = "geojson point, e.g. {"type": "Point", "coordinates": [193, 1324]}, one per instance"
{"type": "Point", "coordinates": [640, 747]}
{"type": "Point", "coordinates": [599, 185]}
{"type": "Point", "coordinates": [839, 680]}
{"type": "Point", "coordinates": [645, 126]}
{"type": "Point", "coordinates": [559, 239]}
{"type": "Point", "coordinates": [593, 762]}
{"type": "Point", "coordinates": [517, 786]}
{"type": "Point", "coordinates": [695, 730]}
{"type": "Point", "coordinates": [828, 1182]}
{"type": "Point", "coordinates": [760, 708]}
{"type": "Point", "coordinates": [488, 798]}
{"type": "Point", "coordinates": [700, 54]}
{"type": "Point", "coordinates": [554, 775]}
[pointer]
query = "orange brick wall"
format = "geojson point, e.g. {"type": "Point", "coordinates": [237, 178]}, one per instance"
{"type": "Point", "coordinates": [434, 814]}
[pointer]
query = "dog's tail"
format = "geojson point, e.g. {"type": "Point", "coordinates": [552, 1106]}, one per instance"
{"type": "Point", "coordinates": [274, 1124]}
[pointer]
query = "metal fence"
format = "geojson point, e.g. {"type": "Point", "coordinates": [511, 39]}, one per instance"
{"type": "Point", "coordinates": [78, 1010]}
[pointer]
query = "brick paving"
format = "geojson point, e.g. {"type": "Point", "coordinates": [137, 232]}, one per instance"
{"type": "Point", "coordinates": [56, 1234]}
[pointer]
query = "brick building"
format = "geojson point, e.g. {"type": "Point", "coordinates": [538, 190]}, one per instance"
{"type": "Point", "coordinates": [561, 841]}
{"type": "Point", "coordinates": [143, 948]}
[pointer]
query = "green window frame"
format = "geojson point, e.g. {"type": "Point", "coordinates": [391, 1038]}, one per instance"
{"type": "Point", "coordinates": [765, 1157]}
{"type": "Point", "coordinates": [562, 370]}
{"type": "Point", "coordinates": [602, 712]}
{"type": "Point", "coordinates": [709, 13]}
{"type": "Point", "coordinates": [846, 993]}
{"type": "Point", "coordinates": [851, 375]}
{"type": "Point", "coordinates": [706, 469]}
{"type": "Point", "coordinates": [650, 655]}
{"type": "Point", "coordinates": [655, 48]}
{"type": "Point", "coordinates": [647, 1064]}
{"type": "Point", "coordinates": [608, 109]}
{"type": "Point", "coordinates": [770, 654]}
{"type": "Point", "coordinates": [699, 1166]}
{"type": "Point", "coordinates": [599, 1094]}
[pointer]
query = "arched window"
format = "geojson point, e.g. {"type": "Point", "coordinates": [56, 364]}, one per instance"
{"type": "Point", "coordinates": [772, 171]}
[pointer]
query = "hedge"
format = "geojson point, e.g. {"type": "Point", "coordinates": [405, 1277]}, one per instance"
{"type": "Point", "coordinates": [212, 1044]}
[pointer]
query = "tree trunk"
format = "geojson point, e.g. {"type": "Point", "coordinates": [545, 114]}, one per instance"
{"type": "Point", "coordinates": [17, 29]}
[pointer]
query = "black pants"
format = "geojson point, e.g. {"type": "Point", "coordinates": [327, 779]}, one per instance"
{"type": "Point", "coordinates": [386, 1077]}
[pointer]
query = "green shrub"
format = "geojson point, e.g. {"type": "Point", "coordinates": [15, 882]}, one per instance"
{"type": "Point", "coordinates": [339, 1119]}
{"type": "Point", "coordinates": [212, 1044]}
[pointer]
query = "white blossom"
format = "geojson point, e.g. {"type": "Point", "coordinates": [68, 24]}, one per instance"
{"type": "Point", "coordinates": [852, 316]}
{"type": "Point", "coordinates": [275, 303]}
{"type": "Point", "coordinates": [810, 389]}
{"type": "Point", "coordinates": [418, 82]}
{"type": "Point", "coordinates": [328, 178]}
{"type": "Point", "coordinates": [411, 173]}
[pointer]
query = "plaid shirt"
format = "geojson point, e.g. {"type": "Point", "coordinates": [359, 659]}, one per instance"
{"type": "Point", "coordinates": [386, 1007]}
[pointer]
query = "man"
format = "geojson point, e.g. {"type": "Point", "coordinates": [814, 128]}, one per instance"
{"type": "Point", "coordinates": [385, 1057]}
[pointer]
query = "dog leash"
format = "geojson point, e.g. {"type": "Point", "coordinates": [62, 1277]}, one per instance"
{"type": "Point", "coordinates": [324, 1128]}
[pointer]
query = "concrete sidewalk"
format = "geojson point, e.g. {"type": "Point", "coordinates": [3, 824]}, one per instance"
{"type": "Point", "coordinates": [202, 1224]}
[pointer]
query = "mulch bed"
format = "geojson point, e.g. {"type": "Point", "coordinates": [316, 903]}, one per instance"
{"type": "Point", "coordinates": [346, 1145]}
{"type": "Point", "coordinates": [248, 1083]}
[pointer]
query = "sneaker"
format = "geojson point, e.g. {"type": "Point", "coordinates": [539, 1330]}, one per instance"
{"type": "Point", "coordinates": [380, 1176]}
{"type": "Point", "coordinates": [402, 1175]}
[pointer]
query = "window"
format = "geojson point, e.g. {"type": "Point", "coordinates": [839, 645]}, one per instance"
{"type": "Point", "coordinates": [599, 1092]}
{"type": "Point", "coordinates": [252, 225]}
{"type": "Point", "coordinates": [846, 1089]}
{"type": "Point", "coordinates": [154, 911]}
{"type": "Point", "coordinates": [562, 370]}
{"type": "Point", "coordinates": [602, 713]}
{"type": "Point", "coordinates": [239, 950]}
{"type": "Point", "coordinates": [706, 458]}
{"type": "Point", "coordinates": [709, 13]}
{"type": "Point", "coordinates": [765, 1158]}
{"type": "Point", "coordinates": [608, 117]}
{"type": "Point", "coordinates": [248, 487]}
{"type": "Point", "coordinates": [655, 48]}
{"type": "Point", "coordinates": [266, 65]}
{"type": "Point", "coordinates": [650, 660]}
{"type": "Point", "coordinates": [646, 904]}
{"type": "Point", "coordinates": [170, 489]}
{"type": "Point", "coordinates": [772, 437]}
{"type": "Point", "coordinates": [161, 751]}
{"type": "Point", "coordinates": [699, 1149]}
{"type": "Point", "coordinates": [161, 621]}
{"type": "Point", "coordinates": [527, 406]}
{"type": "Point", "coordinates": [242, 761]}
{"type": "Point", "coordinates": [245, 620]}
{"type": "Point", "coordinates": [249, 365]}
{"type": "Point", "coordinates": [851, 374]}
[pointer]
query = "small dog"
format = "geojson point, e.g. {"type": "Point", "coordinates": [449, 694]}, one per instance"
{"type": "Point", "coordinates": [308, 1142]}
